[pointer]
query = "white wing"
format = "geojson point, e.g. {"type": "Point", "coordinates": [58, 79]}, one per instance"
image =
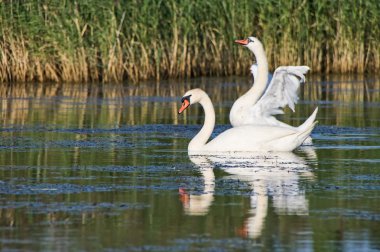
{"type": "Point", "coordinates": [254, 73]}
{"type": "Point", "coordinates": [254, 70]}
{"type": "Point", "coordinates": [281, 92]}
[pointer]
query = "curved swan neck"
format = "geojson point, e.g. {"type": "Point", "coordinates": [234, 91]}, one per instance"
{"type": "Point", "coordinates": [261, 80]}
{"type": "Point", "coordinates": [200, 140]}
{"type": "Point", "coordinates": [239, 108]}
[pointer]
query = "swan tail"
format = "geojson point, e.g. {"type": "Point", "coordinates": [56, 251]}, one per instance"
{"type": "Point", "coordinates": [309, 121]}
{"type": "Point", "coordinates": [306, 133]}
{"type": "Point", "coordinates": [293, 140]}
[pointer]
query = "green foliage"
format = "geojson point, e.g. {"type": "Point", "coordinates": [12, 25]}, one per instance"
{"type": "Point", "coordinates": [113, 41]}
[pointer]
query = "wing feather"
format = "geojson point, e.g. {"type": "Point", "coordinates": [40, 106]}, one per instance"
{"type": "Point", "coordinates": [281, 92]}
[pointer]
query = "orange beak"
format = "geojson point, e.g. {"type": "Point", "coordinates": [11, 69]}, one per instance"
{"type": "Point", "coordinates": [184, 106]}
{"type": "Point", "coordinates": [242, 42]}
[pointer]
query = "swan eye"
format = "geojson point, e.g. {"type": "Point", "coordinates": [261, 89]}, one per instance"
{"type": "Point", "coordinates": [250, 40]}
{"type": "Point", "coordinates": [186, 98]}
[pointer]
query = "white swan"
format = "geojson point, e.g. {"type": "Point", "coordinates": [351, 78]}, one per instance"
{"type": "Point", "coordinates": [259, 105]}
{"type": "Point", "coordinates": [244, 138]}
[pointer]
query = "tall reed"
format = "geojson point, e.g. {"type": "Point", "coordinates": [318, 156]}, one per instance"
{"type": "Point", "coordinates": [114, 41]}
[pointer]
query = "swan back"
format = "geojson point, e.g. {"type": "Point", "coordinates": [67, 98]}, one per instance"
{"type": "Point", "coordinates": [258, 138]}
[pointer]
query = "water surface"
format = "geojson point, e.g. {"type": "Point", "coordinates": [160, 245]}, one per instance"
{"type": "Point", "coordinates": [105, 167]}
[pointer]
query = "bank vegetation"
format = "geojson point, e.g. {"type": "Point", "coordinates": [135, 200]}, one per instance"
{"type": "Point", "coordinates": [133, 40]}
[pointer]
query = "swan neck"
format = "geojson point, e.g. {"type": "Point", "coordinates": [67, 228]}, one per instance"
{"type": "Point", "coordinates": [261, 79]}
{"type": "Point", "coordinates": [240, 109]}
{"type": "Point", "coordinates": [200, 140]}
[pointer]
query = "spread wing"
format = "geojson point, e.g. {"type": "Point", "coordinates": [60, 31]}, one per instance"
{"type": "Point", "coordinates": [254, 73]}
{"type": "Point", "coordinates": [281, 92]}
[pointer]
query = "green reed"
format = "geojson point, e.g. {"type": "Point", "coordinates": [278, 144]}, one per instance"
{"type": "Point", "coordinates": [114, 41]}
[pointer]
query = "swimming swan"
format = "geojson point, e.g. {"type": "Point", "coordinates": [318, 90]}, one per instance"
{"type": "Point", "coordinates": [243, 138]}
{"type": "Point", "coordinates": [259, 105]}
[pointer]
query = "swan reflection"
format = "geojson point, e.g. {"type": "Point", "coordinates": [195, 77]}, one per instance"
{"type": "Point", "coordinates": [271, 177]}
{"type": "Point", "coordinates": [199, 204]}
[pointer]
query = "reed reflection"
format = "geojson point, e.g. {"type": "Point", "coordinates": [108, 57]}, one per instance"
{"type": "Point", "coordinates": [274, 180]}
{"type": "Point", "coordinates": [92, 105]}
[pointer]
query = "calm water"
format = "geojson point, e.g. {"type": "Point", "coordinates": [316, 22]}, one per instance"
{"type": "Point", "coordinates": [105, 167]}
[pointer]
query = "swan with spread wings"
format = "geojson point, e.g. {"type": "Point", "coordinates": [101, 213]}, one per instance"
{"type": "Point", "coordinates": [263, 101]}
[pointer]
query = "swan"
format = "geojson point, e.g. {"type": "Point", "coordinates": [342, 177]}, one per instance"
{"type": "Point", "coordinates": [243, 138]}
{"type": "Point", "coordinates": [264, 100]}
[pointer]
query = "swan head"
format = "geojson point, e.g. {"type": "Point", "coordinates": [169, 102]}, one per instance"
{"type": "Point", "coordinates": [191, 97]}
{"type": "Point", "coordinates": [252, 43]}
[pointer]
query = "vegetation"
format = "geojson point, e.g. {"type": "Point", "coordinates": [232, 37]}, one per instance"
{"type": "Point", "coordinates": [113, 41]}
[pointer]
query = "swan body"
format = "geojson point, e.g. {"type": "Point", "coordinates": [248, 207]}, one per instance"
{"type": "Point", "coordinates": [266, 99]}
{"type": "Point", "coordinates": [244, 138]}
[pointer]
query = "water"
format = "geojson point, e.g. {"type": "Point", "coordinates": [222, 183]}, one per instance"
{"type": "Point", "coordinates": [105, 167]}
